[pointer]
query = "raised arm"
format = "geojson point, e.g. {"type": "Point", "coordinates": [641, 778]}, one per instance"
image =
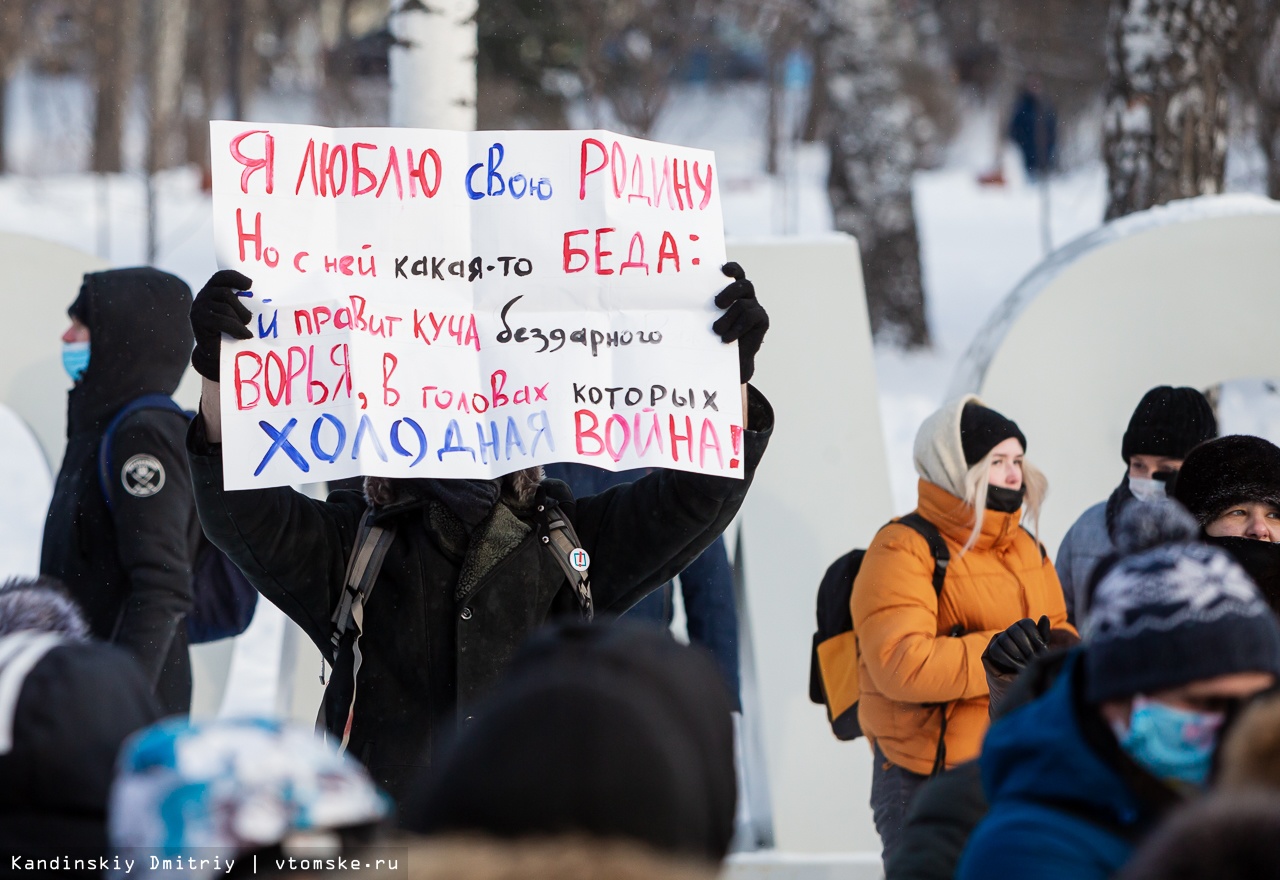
{"type": "Point", "coordinates": [292, 548]}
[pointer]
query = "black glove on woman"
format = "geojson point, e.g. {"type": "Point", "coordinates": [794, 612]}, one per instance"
{"type": "Point", "coordinates": [217, 310]}
{"type": "Point", "coordinates": [744, 319]}
{"type": "Point", "coordinates": [1011, 650]}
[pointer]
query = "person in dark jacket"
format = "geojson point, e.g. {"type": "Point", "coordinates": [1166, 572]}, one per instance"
{"type": "Point", "coordinates": [466, 577]}
{"type": "Point", "coordinates": [1034, 128]}
{"type": "Point", "coordinates": [125, 550]}
{"type": "Point", "coordinates": [1232, 487]}
{"type": "Point", "coordinates": [68, 705]}
{"type": "Point", "coordinates": [41, 604]}
{"type": "Point", "coordinates": [1177, 637]}
{"type": "Point", "coordinates": [1166, 425]}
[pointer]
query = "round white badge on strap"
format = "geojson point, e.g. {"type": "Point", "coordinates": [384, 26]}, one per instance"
{"type": "Point", "coordinates": [579, 559]}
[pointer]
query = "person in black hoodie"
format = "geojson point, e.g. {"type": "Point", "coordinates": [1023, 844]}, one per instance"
{"type": "Point", "coordinates": [127, 558]}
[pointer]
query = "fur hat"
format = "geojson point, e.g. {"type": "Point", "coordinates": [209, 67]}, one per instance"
{"type": "Point", "coordinates": [1169, 422]}
{"type": "Point", "coordinates": [1173, 614]}
{"type": "Point", "coordinates": [1227, 471]}
{"type": "Point", "coordinates": [40, 604]}
{"type": "Point", "coordinates": [610, 731]}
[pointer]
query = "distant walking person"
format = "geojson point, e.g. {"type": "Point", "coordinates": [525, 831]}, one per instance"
{"type": "Point", "coordinates": [1034, 128]}
{"type": "Point", "coordinates": [123, 539]}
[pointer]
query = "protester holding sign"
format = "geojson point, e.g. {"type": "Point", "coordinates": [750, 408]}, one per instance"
{"type": "Point", "coordinates": [468, 571]}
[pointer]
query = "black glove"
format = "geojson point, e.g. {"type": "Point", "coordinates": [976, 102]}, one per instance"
{"type": "Point", "coordinates": [217, 310]}
{"type": "Point", "coordinates": [744, 319]}
{"type": "Point", "coordinates": [1011, 650]}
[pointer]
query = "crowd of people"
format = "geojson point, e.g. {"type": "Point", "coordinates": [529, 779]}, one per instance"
{"type": "Point", "coordinates": [1113, 712]}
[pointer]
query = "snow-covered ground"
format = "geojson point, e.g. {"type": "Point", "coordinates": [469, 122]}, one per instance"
{"type": "Point", "coordinates": [977, 242]}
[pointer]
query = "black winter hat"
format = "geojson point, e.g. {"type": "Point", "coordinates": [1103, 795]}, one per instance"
{"type": "Point", "coordinates": [1170, 422]}
{"type": "Point", "coordinates": [65, 709]}
{"type": "Point", "coordinates": [610, 731]}
{"type": "Point", "coordinates": [1173, 613]}
{"type": "Point", "coordinates": [983, 429]}
{"type": "Point", "coordinates": [1227, 471]}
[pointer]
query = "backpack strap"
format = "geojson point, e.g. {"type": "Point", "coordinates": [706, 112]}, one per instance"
{"type": "Point", "coordinates": [560, 538]}
{"type": "Point", "coordinates": [367, 555]}
{"type": "Point", "coordinates": [941, 559]}
{"type": "Point", "coordinates": [937, 547]}
{"type": "Point", "coordinates": [106, 463]}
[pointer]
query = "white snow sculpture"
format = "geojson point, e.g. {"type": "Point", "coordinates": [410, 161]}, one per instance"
{"type": "Point", "coordinates": [1185, 294]}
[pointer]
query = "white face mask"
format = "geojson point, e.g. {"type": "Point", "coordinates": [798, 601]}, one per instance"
{"type": "Point", "coordinates": [1146, 490]}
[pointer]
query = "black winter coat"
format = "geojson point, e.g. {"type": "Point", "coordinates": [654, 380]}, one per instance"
{"type": "Point", "coordinates": [129, 566]}
{"type": "Point", "coordinates": [440, 626]}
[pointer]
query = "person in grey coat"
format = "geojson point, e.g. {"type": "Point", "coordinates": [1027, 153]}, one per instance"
{"type": "Point", "coordinates": [1167, 424]}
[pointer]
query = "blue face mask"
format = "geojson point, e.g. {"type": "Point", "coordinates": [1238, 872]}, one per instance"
{"type": "Point", "coordinates": [75, 359]}
{"type": "Point", "coordinates": [1174, 745]}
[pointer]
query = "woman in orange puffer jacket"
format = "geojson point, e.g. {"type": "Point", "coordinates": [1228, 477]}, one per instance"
{"type": "Point", "coordinates": [920, 653]}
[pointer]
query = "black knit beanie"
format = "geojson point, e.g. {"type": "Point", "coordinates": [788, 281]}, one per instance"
{"type": "Point", "coordinates": [611, 731]}
{"type": "Point", "coordinates": [1228, 471]}
{"type": "Point", "coordinates": [1174, 613]}
{"type": "Point", "coordinates": [1169, 422]}
{"type": "Point", "coordinates": [983, 429]}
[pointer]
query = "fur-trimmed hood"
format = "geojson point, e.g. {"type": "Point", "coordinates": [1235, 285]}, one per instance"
{"type": "Point", "coordinates": [519, 487]}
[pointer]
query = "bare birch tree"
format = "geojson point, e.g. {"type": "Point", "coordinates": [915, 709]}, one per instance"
{"type": "Point", "coordinates": [1255, 70]}
{"type": "Point", "coordinates": [873, 156]}
{"type": "Point", "coordinates": [1165, 129]}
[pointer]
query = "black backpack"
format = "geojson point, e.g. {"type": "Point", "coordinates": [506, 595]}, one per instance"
{"type": "Point", "coordinates": [833, 664]}
{"type": "Point", "coordinates": [222, 599]}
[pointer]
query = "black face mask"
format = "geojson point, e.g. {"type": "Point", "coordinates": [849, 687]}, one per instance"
{"type": "Point", "coordinates": [1260, 560]}
{"type": "Point", "coordinates": [1005, 500]}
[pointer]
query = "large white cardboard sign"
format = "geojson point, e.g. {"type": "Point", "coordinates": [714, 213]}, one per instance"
{"type": "Point", "coordinates": [466, 304]}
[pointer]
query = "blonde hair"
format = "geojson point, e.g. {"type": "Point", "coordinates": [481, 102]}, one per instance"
{"type": "Point", "coordinates": [1034, 484]}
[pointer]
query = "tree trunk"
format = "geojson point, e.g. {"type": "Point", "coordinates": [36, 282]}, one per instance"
{"type": "Point", "coordinates": [433, 64]}
{"type": "Point", "coordinates": [1165, 128]}
{"type": "Point", "coordinates": [167, 29]}
{"type": "Point", "coordinates": [166, 55]}
{"type": "Point", "coordinates": [115, 36]}
{"type": "Point", "coordinates": [873, 157]}
{"type": "Point", "coordinates": [1261, 35]}
{"type": "Point", "coordinates": [815, 116]}
{"type": "Point", "coordinates": [13, 17]}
